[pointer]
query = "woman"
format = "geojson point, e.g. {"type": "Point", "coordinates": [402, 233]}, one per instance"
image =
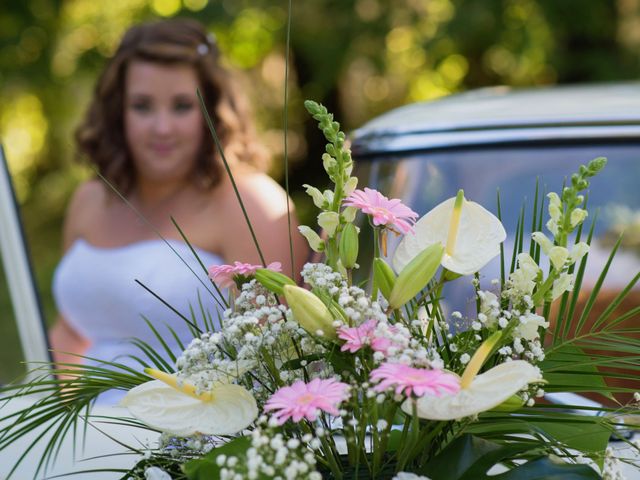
{"type": "Point", "coordinates": [146, 135]}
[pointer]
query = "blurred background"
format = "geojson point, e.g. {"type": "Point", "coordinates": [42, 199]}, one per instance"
{"type": "Point", "coordinates": [358, 57]}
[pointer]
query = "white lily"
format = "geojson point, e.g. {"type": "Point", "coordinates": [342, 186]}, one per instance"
{"type": "Point", "coordinates": [177, 408]}
{"type": "Point", "coordinates": [470, 233]}
{"type": "Point", "coordinates": [478, 393]}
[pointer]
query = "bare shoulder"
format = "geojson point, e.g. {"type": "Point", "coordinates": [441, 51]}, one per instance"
{"type": "Point", "coordinates": [266, 204]}
{"type": "Point", "coordinates": [87, 200]}
{"type": "Point", "coordinates": [262, 195]}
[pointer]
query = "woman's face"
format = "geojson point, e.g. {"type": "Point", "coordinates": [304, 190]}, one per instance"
{"type": "Point", "coordinates": [162, 120]}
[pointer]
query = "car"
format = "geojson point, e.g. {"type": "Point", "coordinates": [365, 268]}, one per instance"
{"type": "Point", "coordinates": [503, 140]}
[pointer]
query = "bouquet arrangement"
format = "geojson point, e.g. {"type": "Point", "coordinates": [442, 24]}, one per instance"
{"type": "Point", "coordinates": [380, 380]}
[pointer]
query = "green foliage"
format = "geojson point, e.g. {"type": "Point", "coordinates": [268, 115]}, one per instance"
{"type": "Point", "coordinates": [206, 468]}
{"type": "Point", "coordinates": [470, 458]}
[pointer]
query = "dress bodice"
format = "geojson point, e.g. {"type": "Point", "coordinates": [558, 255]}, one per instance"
{"type": "Point", "coordinates": [95, 290]}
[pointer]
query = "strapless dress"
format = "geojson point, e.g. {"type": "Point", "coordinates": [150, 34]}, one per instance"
{"type": "Point", "coordinates": [95, 289]}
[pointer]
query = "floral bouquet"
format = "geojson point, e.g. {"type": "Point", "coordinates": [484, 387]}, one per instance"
{"type": "Point", "coordinates": [379, 380]}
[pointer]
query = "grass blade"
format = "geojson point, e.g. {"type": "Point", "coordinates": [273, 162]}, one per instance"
{"type": "Point", "coordinates": [212, 130]}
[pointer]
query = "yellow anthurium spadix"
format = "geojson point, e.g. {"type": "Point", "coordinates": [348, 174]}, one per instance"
{"type": "Point", "coordinates": [470, 234]}
{"type": "Point", "coordinates": [177, 408]}
{"type": "Point", "coordinates": [478, 393]}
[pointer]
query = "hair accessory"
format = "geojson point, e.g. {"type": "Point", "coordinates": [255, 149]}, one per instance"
{"type": "Point", "coordinates": [202, 49]}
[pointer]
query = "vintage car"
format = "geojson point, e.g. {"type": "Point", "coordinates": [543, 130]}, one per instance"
{"type": "Point", "coordinates": [502, 141]}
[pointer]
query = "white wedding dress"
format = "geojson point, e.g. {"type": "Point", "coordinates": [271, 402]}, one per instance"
{"type": "Point", "coordinates": [96, 291]}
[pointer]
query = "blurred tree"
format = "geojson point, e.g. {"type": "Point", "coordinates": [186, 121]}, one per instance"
{"type": "Point", "coordinates": [358, 57]}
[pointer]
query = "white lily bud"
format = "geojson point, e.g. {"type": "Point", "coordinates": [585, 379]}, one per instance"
{"type": "Point", "coordinates": [542, 240]}
{"type": "Point", "coordinates": [316, 195]}
{"type": "Point", "coordinates": [350, 185]}
{"type": "Point", "coordinates": [315, 242]}
{"type": "Point", "coordinates": [578, 251]}
{"type": "Point", "coordinates": [558, 256]}
{"type": "Point", "coordinates": [578, 216]}
{"type": "Point", "coordinates": [329, 222]}
{"type": "Point", "coordinates": [564, 283]}
{"type": "Point", "coordinates": [349, 214]}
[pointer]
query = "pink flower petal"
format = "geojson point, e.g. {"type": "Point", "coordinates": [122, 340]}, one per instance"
{"type": "Point", "coordinates": [224, 276]}
{"type": "Point", "coordinates": [306, 400]}
{"type": "Point", "coordinates": [384, 212]}
{"type": "Point", "coordinates": [411, 381]}
{"type": "Point", "coordinates": [357, 337]}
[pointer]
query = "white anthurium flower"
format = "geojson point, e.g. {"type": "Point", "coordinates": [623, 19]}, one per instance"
{"type": "Point", "coordinates": [470, 233]}
{"type": "Point", "coordinates": [156, 473]}
{"type": "Point", "coordinates": [409, 476]}
{"type": "Point", "coordinates": [478, 393]}
{"type": "Point", "coordinates": [177, 408]}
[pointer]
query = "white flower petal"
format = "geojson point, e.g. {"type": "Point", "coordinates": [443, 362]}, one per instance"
{"type": "Point", "coordinates": [163, 407]}
{"type": "Point", "coordinates": [478, 238]}
{"type": "Point", "coordinates": [558, 256]}
{"type": "Point", "coordinates": [487, 390]}
{"type": "Point", "coordinates": [156, 473]}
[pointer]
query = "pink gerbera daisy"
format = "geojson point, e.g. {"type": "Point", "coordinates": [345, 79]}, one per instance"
{"type": "Point", "coordinates": [414, 381]}
{"type": "Point", "coordinates": [224, 276]}
{"type": "Point", "coordinates": [390, 213]}
{"type": "Point", "coordinates": [357, 337]}
{"type": "Point", "coordinates": [306, 400]}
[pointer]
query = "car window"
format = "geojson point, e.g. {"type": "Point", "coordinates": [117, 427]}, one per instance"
{"type": "Point", "coordinates": [424, 179]}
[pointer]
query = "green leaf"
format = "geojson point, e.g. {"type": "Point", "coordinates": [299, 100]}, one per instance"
{"type": "Point", "coordinates": [568, 369]}
{"type": "Point", "coordinates": [583, 435]}
{"type": "Point", "coordinates": [548, 469]}
{"type": "Point", "coordinates": [206, 468]}
{"type": "Point", "coordinates": [470, 458]}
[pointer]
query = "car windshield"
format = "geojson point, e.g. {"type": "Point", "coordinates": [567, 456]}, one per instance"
{"type": "Point", "coordinates": [424, 179]}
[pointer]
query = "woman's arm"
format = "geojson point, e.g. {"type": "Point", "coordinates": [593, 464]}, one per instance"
{"type": "Point", "coordinates": [66, 343]}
